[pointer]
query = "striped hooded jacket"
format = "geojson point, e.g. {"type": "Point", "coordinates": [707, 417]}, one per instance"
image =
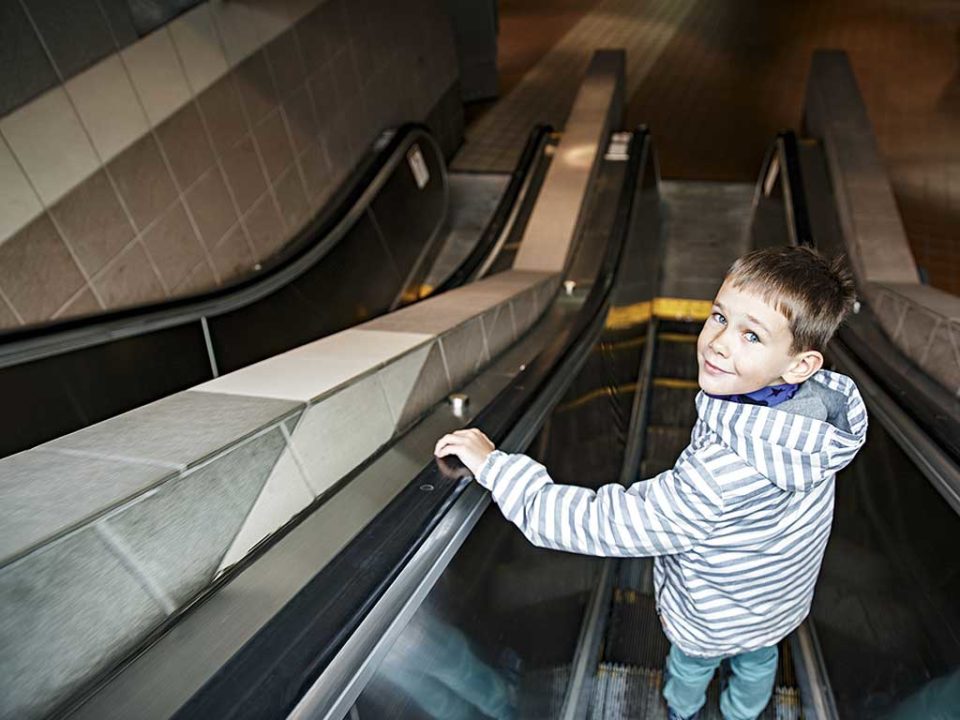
{"type": "Point", "coordinates": [738, 526]}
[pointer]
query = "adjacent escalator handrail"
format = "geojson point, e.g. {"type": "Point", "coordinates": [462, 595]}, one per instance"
{"type": "Point", "coordinates": [34, 342]}
{"type": "Point", "coordinates": [370, 565]}
{"type": "Point", "coordinates": [501, 216]}
{"type": "Point", "coordinates": [795, 196]}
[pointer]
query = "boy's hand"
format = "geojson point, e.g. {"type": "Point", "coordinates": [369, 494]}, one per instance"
{"type": "Point", "coordinates": [471, 446]}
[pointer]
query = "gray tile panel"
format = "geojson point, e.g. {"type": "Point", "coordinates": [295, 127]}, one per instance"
{"type": "Point", "coordinates": [180, 430]}
{"type": "Point", "coordinates": [46, 493]}
{"type": "Point", "coordinates": [26, 70]}
{"type": "Point", "coordinates": [66, 612]}
{"type": "Point", "coordinates": [178, 534]}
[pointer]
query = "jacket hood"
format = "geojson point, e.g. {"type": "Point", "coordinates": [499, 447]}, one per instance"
{"type": "Point", "coordinates": [799, 443]}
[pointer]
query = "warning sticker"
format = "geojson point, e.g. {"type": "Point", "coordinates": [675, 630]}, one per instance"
{"type": "Point", "coordinates": [418, 166]}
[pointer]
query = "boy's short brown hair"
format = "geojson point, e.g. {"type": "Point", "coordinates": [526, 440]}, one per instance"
{"type": "Point", "coordinates": [811, 292]}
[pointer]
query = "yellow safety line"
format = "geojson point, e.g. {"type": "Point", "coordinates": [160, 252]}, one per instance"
{"type": "Point", "coordinates": [626, 316]}
{"type": "Point", "coordinates": [622, 345]}
{"type": "Point", "coordinates": [594, 394]}
{"type": "Point", "coordinates": [681, 309]}
{"type": "Point", "coordinates": [677, 337]}
{"type": "Point", "coordinates": [676, 383]}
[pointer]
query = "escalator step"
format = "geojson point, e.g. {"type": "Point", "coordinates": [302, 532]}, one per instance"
{"type": "Point", "coordinates": [675, 360]}
{"type": "Point", "coordinates": [673, 406]}
{"type": "Point", "coordinates": [629, 692]}
{"type": "Point", "coordinates": [663, 444]}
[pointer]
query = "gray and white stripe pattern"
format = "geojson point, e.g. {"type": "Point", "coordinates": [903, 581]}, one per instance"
{"type": "Point", "coordinates": [738, 526]}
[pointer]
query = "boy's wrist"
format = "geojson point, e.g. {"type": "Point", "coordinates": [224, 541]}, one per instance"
{"type": "Point", "coordinates": [484, 474]}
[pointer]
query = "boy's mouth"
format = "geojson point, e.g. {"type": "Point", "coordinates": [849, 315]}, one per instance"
{"type": "Point", "coordinates": [713, 369]}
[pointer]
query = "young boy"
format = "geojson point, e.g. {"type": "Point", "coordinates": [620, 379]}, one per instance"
{"type": "Point", "coordinates": [740, 524]}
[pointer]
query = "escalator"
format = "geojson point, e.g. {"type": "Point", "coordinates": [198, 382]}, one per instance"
{"type": "Point", "coordinates": [510, 630]}
{"type": "Point", "coordinates": [441, 609]}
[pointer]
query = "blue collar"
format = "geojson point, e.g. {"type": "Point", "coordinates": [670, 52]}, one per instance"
{"type": "Point", "coordinates": [769, 396]}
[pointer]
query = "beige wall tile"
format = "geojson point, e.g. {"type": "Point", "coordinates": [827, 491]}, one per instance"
{"type": "Point", "coordinates": [200, 279]}
{"type": "Point", "coordinates": [301, 119]}
{"type": "Point", "coordinates": [7, 317]}
{"type": "Point", "coordinates": [256, 87]}
{"type": "Point", "coordinates": [221, 109]}
{"type": "Point", "coordinates": [47, 138]}
{"type": "Point", "coordinates": [37, 273]}
{"type": "Point", "coordinates": [265, 228]}
{"type": "Point", "coordinates": [143, 181]}
{"type": "Point", "coordinates": [198, 44]}
{"type": "Point", "coordinates": [316, 173]}
{"type": "Point", "coordinates": [108, 107]}
{"type": "Point", "coordinates": [174, 246]}
{"type": "Point", "coordinates": [83, 304]}
{"type": "Point", "coordinates": [129, 280]}
{"type": "Point", "coordinates": [18, 202]}
{"type": "Point", "coordinates": [93, 223]}
{"type": "Point", "coordinates": [231, 256]}
{"type": "Point", "coordinates": [185, 144]}
{"type": "Point", "coordinates": [287, 66]}
{"type": "Point", "coordinates": [293, 201]}
{"type": "Point", "coordinates": [211, 207]}
{"type": "Point", "coordinates": [157, 75]}
{"type": "Point", "coordinates": [271, 135]}
{"type": "Point", "coordinates": [242, 168]}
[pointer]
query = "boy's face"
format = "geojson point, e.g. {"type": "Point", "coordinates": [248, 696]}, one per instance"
{"type": "Point", "coordinates": [745, 345]}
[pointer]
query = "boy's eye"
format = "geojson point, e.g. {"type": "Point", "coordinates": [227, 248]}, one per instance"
{"type": "Point", "coordinates": [751, 337]}
{"type": "Point", "coordinates": [719, 318]}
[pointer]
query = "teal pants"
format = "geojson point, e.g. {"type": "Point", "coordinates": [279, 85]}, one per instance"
{"type": "Point", "coordinates": [748, 690]}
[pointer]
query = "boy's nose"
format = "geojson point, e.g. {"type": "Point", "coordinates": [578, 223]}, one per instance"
{"type": "Point", "coordinates": [718, 345]}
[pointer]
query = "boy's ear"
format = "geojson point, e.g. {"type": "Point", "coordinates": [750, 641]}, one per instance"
{"type": "Point", "coordinates": [803, 366]}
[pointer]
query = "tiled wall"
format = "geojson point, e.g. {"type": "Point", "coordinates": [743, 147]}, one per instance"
{"type": "Point", "coordinates": [186, 158]}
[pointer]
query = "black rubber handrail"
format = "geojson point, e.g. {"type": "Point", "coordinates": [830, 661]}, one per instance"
{"type": "Point", "coordinates": [501, 215]}
{"type": "Point", "coordinates": [307, 633]}
{"type": "Point", "coordinates": [882, 361]}
{"type": "Point", "coordinates": [798, 196]}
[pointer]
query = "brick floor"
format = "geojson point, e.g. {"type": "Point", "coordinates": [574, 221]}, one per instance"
{"type": "Point", "coordinates": [715, 79]}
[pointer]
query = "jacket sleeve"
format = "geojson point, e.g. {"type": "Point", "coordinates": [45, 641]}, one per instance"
{"type": "Point", "coordinates": [667, 514]}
